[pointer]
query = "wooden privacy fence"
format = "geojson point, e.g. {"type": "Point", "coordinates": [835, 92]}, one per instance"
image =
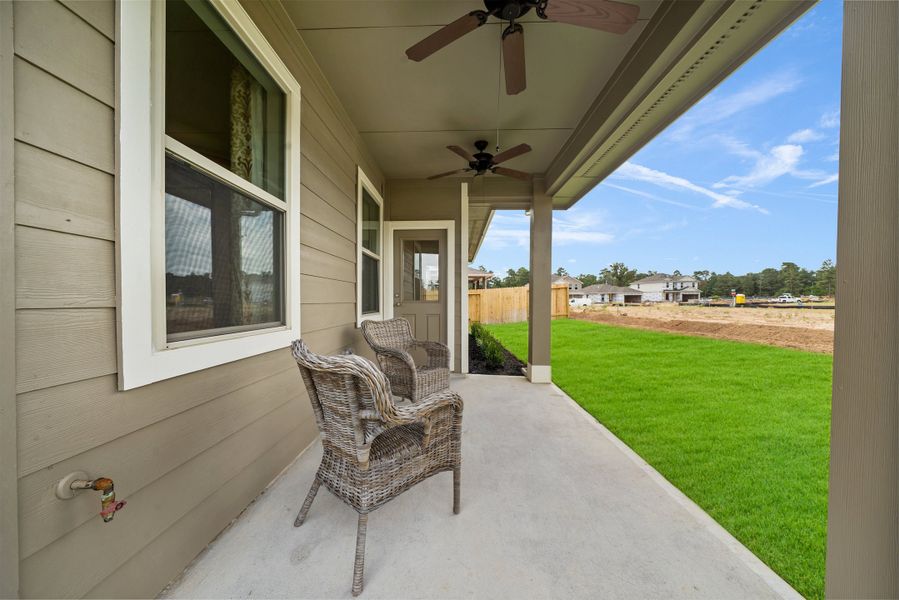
{"type": "Point", "coordinates": [510, 305]}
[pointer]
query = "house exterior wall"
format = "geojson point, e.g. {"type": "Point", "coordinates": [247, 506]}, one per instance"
{"type": "Point", "coordinates": [422, 200]}
{"type": "Point", "coordinates": [188, 453]}
{"type": "Point", "coordinates": [654, 291]}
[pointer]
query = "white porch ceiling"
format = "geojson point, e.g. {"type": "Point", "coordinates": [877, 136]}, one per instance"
{"type": "Point", "coordinates": [408, 112]}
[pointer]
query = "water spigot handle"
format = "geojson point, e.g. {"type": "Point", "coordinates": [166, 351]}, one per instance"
{"type": "Point", "coordinates": [108, 504]}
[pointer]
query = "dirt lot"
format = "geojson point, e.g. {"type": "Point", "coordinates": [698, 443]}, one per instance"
{"type": "Point", "coordinates": [790, 328]}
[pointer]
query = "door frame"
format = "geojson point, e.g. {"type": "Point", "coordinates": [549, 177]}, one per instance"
{"type": "Point", "coordinates": [450, 227]}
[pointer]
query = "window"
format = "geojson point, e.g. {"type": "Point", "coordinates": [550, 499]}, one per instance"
{"type": "Point", "coordinates": [369, 268]}
{"type": "Point", "coordinates": [207, 192]}
{"type": "Point", "coordinates": [421, 270]}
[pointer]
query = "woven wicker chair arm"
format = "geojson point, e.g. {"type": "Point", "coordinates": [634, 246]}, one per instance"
{"type": "Point", "coordinates": [438, 354]}
{"type": "Point", "coordinates": [401, 355]}
{"type": "Point", "coordinates": [422, 410]}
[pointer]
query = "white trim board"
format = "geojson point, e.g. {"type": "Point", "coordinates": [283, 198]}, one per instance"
{"type": "Point", "coordinates": [463, 276]}
{"type": "Point", "coordinates": [539, 373]}
{"type": "Point", "coordinates": [144, 355]}
{"type": "Point", "coordinates": [450, 226]}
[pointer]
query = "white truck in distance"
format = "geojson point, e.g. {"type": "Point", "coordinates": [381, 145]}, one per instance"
{"type": "Point", "coordinates": [785, 298]}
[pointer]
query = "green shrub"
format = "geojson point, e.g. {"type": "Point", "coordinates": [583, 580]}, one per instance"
{"type": "Point", "coordinates": [494, 353]}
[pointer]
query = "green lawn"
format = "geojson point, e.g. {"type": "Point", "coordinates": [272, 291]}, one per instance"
{"type": "Point", "coordinates": [742, 429]}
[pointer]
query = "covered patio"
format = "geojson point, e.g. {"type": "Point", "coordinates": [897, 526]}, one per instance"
{"type": "Point", "coordinates": [553, 505]}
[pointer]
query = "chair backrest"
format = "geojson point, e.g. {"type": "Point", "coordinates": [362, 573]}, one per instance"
{"type": "Point", "coordinates": [349, 395]}
{"type": "Point", "coordinates": [392, 333]}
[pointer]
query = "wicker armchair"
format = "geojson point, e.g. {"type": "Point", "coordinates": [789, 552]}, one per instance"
{"type": "Point", "coordinates": [392, 340]}
{"type": "Point", "coordinates": [373, 449]}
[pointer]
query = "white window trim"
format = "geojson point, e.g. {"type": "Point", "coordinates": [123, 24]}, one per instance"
{"type": "Point", "coordinates": [363, 182]}
{"type": "Point", "coordinates": [450, 226]}
{"type": "Point", "coordinates": [144, 354]}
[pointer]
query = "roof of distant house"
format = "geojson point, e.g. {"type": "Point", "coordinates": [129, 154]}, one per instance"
{"type": "Point", "coordinates": [478, 273]}
{"type": "Point", "coordinates": [663, 278]}
{"type": "Point", "coordinates": [604, 288]}
{"type": "Point", "coordinates": [566, 279]}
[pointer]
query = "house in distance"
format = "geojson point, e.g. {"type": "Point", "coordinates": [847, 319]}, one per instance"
{"type": "Point", "coordinates": [668, 288]}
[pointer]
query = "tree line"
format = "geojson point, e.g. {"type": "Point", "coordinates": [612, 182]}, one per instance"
{"type": "Point", "coordinates": [789, 278]}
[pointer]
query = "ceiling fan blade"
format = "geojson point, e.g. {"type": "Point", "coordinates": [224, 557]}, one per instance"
{"type": "Point", "coordinates": [447, 35]}
{"type": "Point", "coordinates": [461, 152]}
{"type": "Point", "coordinates": [605, 15]}
{"type": "Point", "coordinates": [511, 153]}
{"type": "Point", "coordinates": [512, 173]}
{"type": "Point", "coordinates": [513, 59]}
{"type": "Point", "coordinates": [447, 174]}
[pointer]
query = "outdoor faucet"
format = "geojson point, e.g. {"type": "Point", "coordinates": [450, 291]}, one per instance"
{"type": "Point", "coordinates": [73, 482]}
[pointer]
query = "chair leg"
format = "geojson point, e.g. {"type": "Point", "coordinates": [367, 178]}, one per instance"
{"type": "Point", "coordinates": [457, 476]}
{"type": "Point", "coordinates": [301, 516]}
{"type": "Point", "coordinates": [359, 565]}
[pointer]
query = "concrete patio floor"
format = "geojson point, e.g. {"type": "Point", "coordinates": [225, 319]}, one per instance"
{"type": "Point", "coordinates": [553, 505]}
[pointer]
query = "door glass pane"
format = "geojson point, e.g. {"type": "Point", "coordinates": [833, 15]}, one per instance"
{"type": "Point", "coordinates": [421, 270]}
{"type": "Point", "coordinates": [370, 285]}
{"type": "Point", "coordinates": [371, 223]}
{"type": "Point", "coordinates": [222, 257]}
{"type": "Point", "coordinates": [219, 100]}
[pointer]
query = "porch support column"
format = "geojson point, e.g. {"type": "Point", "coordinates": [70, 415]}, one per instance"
{"type": "Point", "coordinates": [863, 512]}
{"type": "Point", "coordinates": [540, 291]}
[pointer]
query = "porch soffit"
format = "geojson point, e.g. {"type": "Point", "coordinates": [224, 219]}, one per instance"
{"type": "Point", "coordinates": [408, 112]}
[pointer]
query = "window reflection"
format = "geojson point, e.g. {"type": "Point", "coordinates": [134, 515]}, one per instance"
{"type": "Point", "coordinates": [421, 270]}
{"type": "Point", "coordinates": [222, 255]}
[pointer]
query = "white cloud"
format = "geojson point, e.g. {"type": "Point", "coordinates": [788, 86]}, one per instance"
{"type": "Point", "coordinates": [718, 107]}
{"type": "Point", "coordinates": [805, 135]}
{"type": "Point", "coordinates": [830, 119]}
{"type": "Point", "coordinates": [579, 226]}
{"type": "Point", "coordinates": [781, 160]}
{"type": "Point", "coordinates": [575, 226]}
{"type": "Point", "coordinates": [649, 196]}
{"type": "Point", "coordinates": [735, 146]}
{"type": "Point", "coordinates": [636, 172]}
{"type": "Point", "coordinates": [829, 179]}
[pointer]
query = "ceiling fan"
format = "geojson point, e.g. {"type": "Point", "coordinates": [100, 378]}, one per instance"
{"type": "Point", "coordinates": [480, 162]}
{"type": "Point", "coordinates": [605, 15]}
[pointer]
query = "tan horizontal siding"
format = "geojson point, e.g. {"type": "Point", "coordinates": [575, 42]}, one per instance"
{"type": "Point", "coordinates": [339, 197]}
{"type": "Point", "coordinates": [322, 290]}
{"type": "Point", "coordinates": [333, 340]}
{"type": "Point", "coordinates": [64, 421]}
{"type": "Point", "coordinates": [321, 264]}
{"type": "Point", "coordinates": [55, 39]}
{"type": "Point", "coordinates": [324, 316]}
{"type": "Point", "coordinates": [61, 346]}
{"type": "Point", "coordinates": [322, 238]}
{"type": "Point", "coordinates": [53, 192]}
{"type": "Point", "coordinates": [317, 208]}
{"type": "Point", "coordinates": [187, 537]}
{"type": "Point", "coordinates": [100, 14]}
{"type": "Point", "coordinates": [56, 116]}
{"type": "Point", "coordinates": [330, 168]}
{"type": "Point", "coordinates": [60, 270]}
{"type": "Point", "coordinates": [188, 453]}
{"type": "Point", "coordinates": [100, 547]}
{"type": "Point", "coordinates": [316, 127]}
{"type": "Point", "coordinates": [144, 456]}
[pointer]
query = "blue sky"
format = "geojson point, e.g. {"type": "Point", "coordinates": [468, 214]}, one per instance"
{"type": "Point", "coordinates": [744, 180]}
